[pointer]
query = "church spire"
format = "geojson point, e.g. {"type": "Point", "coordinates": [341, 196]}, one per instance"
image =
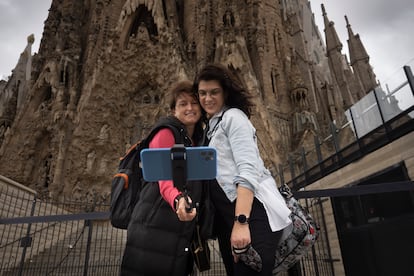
{"type": "Point", "coordinates": [337, 62]}
{"type": "Point", "coordinates": [359, 59]}
{"type": "Point", "coordinates": [356, 48]}
{"type": "Point", "coordinates": [331, 36]}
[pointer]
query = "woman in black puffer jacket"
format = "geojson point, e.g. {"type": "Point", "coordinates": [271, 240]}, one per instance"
{"type": "Point", "coordinates": [160, 230]}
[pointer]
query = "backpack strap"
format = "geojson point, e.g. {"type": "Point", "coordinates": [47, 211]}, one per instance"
{"type": "Point", "coordinates": [177, 131]}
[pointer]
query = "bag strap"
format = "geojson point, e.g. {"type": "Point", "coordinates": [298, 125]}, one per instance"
{"type": "Point", "coordinates": [197, 229]}
{"type": "Point", "coordinates": [285, 190]}
{"type": "Point", "coordinates": [175, 130]}
{"type": "Point", "coordinates": [205, 140]}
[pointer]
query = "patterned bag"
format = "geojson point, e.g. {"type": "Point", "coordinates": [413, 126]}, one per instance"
{"type": "Point", "coordinates": [303, 235]}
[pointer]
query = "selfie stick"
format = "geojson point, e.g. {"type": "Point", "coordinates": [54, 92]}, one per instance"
{"type": "Point", "coordinates": [179, 170]}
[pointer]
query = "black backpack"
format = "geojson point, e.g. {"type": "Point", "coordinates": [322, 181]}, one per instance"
{"type": "Point", "coordinates": [128, 181]}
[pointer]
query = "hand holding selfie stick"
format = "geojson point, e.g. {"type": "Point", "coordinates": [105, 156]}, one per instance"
{"type": "Point", "coordinates": [179, 171]}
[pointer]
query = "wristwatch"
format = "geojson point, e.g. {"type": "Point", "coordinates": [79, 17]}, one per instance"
{"type": "Point", "coordinates": [242, 219]}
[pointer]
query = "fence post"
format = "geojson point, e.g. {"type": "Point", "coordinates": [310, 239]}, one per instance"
{"type": "Point", "coordinates": [305, 163]}
{"type": "Point", "coordinates": [292, 170]}
{"type": "Point", "coordinates": [314, 258]}
{"type": "Point", "coordinates": [335, 140]}
{"type": "Point", "coordinates": [410, 77]}
{"type": "Point", "coordinates": [319, 154]}
{"type": "Point", "coordinates": [27, 240]}
{"type": "Point", "coordinates": [89, 224]}
{"type": "Point", "coordinates": [328, 246]}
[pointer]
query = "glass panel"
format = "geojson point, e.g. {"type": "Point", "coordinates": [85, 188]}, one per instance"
{"type": "Point", "coordinates": [397, 97]}
{"type": "Point", "coordinates": [327, 147]}
{"type": "Point", "coordinates": [398, 92]}
{"type": "Point", "coordinates": [311, 157]}
{"type": "Point", "coordinates": [347, 131]}
{"type": "Point", "coordinates": [388, 104]}
{"type": "Point", "coordinates": [328, 153]}
{"type": "Point", "coordinates": [405, 97]}
{"type": "Point", "coordinates": [366, 115]}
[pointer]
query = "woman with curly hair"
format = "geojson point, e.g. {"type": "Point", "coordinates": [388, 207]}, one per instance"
{"type": "Point", "coordinates": [250, 212]}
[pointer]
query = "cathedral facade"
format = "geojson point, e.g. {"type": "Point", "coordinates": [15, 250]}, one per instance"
{"type": "Point", "coordinates": [99, 80]}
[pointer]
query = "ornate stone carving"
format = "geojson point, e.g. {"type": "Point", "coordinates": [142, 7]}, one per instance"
{"type": "Point", "coordinates": [103, 72]}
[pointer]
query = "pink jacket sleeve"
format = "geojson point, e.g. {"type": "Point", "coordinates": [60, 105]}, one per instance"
{"type": "Point", "coordinates": [165, 139]}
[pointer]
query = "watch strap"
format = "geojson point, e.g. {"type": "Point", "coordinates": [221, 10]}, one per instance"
{"type": "Point", "coordinates": [242, 219]}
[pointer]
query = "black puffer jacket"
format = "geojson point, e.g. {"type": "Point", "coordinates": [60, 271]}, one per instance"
{"type": "Point", "coordinates": [158, 243]}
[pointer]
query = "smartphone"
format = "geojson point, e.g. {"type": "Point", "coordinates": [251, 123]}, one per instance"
{"type": "Point", "coordinates": [157, 163]}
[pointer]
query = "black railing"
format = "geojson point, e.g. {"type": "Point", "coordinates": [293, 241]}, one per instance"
{"type": "Point", "coordinates": [55, 238]}
{"type": "Point", "coordinates": [376, 120]}
{"type": "Point", "coordinates": [40, 237]}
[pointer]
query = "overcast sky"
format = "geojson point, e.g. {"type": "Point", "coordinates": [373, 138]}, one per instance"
{"type": "Point", "coordinates": [19, 19]}
{"type": "Point", "coordinates": [385, 27]}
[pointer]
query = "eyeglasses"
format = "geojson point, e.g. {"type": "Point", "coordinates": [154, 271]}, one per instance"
{"type": "Point", "coordinates": [212, 93]}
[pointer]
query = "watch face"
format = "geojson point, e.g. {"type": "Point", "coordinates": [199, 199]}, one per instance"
{"type": "Point", "coordinates": [241, 218]}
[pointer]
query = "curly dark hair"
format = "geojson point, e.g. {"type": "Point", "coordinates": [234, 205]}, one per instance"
{"type": "Point", "coordinates": [235, 94]}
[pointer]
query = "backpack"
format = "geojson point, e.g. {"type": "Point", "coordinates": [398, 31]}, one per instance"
{"type": "Point", "coordinates": [128, 181]}
{"type": "Point", "coordinates": [300, 237]}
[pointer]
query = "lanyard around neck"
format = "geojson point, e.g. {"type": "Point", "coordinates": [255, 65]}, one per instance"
{"type": "Point", "coordinates": [213, 130]}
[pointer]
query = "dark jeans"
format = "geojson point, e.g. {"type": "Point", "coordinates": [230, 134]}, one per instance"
{"type": "Point", "coordinates": [263, 239]}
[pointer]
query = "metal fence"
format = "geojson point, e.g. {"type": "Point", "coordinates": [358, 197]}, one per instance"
{"type": "Point", "coordinates": [40, 237]}
{"type": "Point", "coordinates": [54, 238]}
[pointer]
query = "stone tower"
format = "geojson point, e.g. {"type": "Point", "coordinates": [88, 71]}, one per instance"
{"type": "Point", "coordinates": [103, 69]}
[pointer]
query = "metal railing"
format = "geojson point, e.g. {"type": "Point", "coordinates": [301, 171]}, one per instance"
{"type": "Point", "coordinates": [376, 120]}
{"type": "Point", "coordinates": [40, 237]}
{"type": "Point", "coordinates": [55, 238]}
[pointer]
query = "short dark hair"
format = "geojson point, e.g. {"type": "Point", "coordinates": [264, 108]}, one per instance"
{"type": "Point", "coordinates": [178, 88]}
{"type": "Point", "coordinates": [235, 93]}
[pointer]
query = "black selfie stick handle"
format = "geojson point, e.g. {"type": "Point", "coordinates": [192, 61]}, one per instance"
{"type": "Point", "coordinates": [179, 170]}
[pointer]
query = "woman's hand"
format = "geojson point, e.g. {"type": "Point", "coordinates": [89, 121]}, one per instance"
{"type": "Point", "coordinates": [240, 238]}
{"type": "Point", "coordinates": [182, 210]}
